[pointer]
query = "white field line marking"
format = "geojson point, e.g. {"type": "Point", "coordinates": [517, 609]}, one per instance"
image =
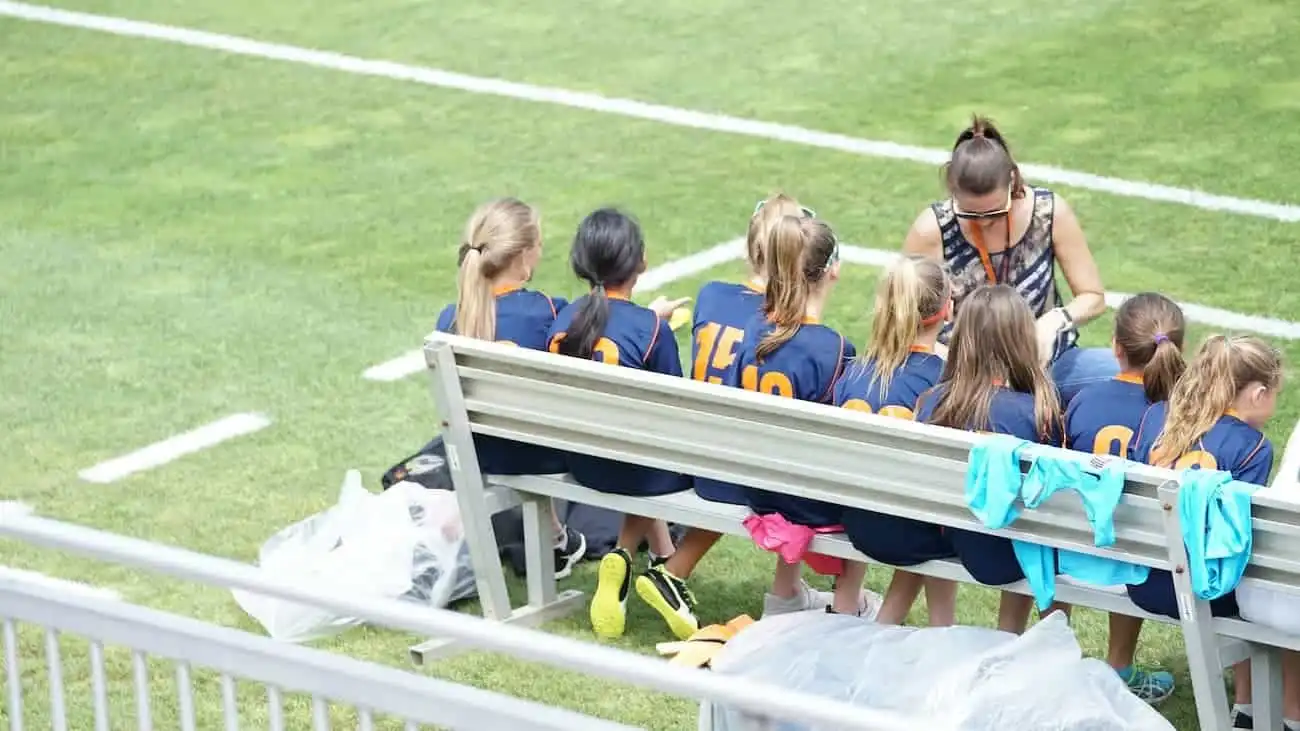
{"type": "Point", "coordinates": [13, 510]}
{"type": "Point", "coordinates": [625, 107]}
{"type": "Point", "coordinates": [412, 362]}
{"type": "Point", "coordinates": [1196, 313]}
{"type": "Point", "coordinates": [160, 453]}
{"type": "Point", "coordinates": [33, 578]}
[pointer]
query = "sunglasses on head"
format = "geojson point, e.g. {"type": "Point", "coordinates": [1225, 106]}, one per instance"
{"type": "Point", "coordinates": [982, 215]}
{"type": "Point", "coordinates": [835, 254]}
{"type": "Point", "coordinates": [807, 212]}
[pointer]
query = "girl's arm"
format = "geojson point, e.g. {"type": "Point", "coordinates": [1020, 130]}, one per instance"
{"type": "Point", "coordinates": [1080, 269]}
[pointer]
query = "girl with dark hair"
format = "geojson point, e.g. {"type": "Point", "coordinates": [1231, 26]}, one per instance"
{"type": "Point", "coordinates": [996, 229]}
{"type": "Point", "coordinates": [606, 326]}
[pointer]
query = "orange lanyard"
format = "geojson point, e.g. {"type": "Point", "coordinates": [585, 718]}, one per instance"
{"type": "Point", "coordinates": [986, 259]}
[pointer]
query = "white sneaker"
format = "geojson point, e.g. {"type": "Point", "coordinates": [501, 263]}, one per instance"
{"type": "Point", "coordinates": [805, 598]}
{"type": "Point", "coordinates": [869, 604]}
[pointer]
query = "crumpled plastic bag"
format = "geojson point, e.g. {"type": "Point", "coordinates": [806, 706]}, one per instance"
{"type": "Point", "coordinates": [961, 678]}
{"type": "Point", "coordinates": [407, 542]}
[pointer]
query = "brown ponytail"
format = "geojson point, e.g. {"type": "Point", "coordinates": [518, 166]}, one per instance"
{"type": "Point", "coordinates": [1149, 332]}
{"type": "Point", "coordinates": [981, 162]}
{"type": "Point", "coordinates": [800, 250]}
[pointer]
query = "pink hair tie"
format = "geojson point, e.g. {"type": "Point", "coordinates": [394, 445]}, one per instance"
{"type": "Point", "coordinates": [1161, 338]}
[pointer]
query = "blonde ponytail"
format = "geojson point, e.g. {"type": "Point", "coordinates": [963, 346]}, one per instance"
{"type": "Point", "coordinates": [1221, 369]}
{"type": "Point", "coordinates": [495, 237]}
{"type": "Point", "coordinates": [476, 308]}
{"type": "Point", "coordinates": [912, 295]}
{"type": "Point", "coordinates": [799, 252]}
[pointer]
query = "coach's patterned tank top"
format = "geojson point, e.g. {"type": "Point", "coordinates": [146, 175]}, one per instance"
{"type": "Point", "coordinates": [1029, 265]}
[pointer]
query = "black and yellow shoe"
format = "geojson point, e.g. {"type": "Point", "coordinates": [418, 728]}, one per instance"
{"type": "Point", "coordinates": [669, 596]}
{"type": "Point", "coordinates": [609, 603]}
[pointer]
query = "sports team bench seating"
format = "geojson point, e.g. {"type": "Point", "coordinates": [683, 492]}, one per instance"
{"type": "Point", "coordinates": [807, 450]}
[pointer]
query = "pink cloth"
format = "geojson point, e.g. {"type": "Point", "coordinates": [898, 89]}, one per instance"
{"type": "Point", "coordinates": [772, 532]}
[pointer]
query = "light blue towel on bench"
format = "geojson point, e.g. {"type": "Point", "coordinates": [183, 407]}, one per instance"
{"type": "Point", "coordinates": [996, 489]}
{"type": "Point", "coordinates": [1215, 513]}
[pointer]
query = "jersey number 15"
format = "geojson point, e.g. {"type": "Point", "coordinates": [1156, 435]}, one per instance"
{"type": "Point", "coordinates": [715, 349]}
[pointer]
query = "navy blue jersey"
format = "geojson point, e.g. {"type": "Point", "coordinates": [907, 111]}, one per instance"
{"type": "Point", "coordinates": [805, 367]}
{"type": "Point", "coordinates": [859, 389]}
{"type": "Point", "coordinates": [1102, 418]}
{"type": "Point", "coordinates": [1230, 445]}
{"type": "Point", "coordinates": [722, 310]}
{"type": "Point", "coordinates": [1012, 412]}
{"type": "Point", "coordinates": [524, 317]}
{"type": "Point", "coordinates": [634, 337]}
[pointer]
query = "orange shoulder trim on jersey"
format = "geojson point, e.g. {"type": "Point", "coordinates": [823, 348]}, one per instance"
{"type": "Point", "coordinates": [654, 337]}
{"type": "Point", "coordinates": [1258, 446]}
{"type": "Point", "coordinates": [839, 370]}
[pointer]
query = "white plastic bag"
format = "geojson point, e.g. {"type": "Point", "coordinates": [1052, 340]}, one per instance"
{"type": "Point", "coordinates": [965, 678]}
{"type": "Point", "coordinates": [406, 542]}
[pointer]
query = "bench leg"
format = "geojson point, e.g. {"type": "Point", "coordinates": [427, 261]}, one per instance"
{"type": "Point", "coordinates": [544, 602]}
{"type": "Point", "coordinates": [538, 552]}
{"type": "Point", "coordinates": [1266, 686]}
{"type": "Point", "coordinates": [1196, 620]}
{"type": "Point", "coordinates": [566, 602]}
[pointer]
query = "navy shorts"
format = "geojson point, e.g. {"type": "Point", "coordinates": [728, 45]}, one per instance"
{"type": "Point", "coordinates": [797, 510]}
{"type": "Point", "coordinates": [620, 478]}
{"type": "Point", "coordinates": [721, 492]}
{"type": "Point", "coordinates": [1156, 595]}
{"type": "Point", "coordinates": [896, 541]}
{"type": "Point", "coordinates": [498, 456]}
{"type": "Point", "coordinates": [990, 559]}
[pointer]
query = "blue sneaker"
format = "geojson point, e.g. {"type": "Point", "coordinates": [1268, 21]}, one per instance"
{"type": "Point", "coordinates": [1152, 686]}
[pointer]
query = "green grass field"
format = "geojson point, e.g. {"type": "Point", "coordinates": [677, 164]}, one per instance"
{"type": "Point", "coordinates": [187, 234]}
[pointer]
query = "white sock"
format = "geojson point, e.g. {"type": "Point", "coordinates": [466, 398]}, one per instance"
{"type": "Point", "coordinates": [1244, 709]}
{"type": "Point", "coordinates": [1291, 725]}
{"type": "Point", "coordinates": [562, 537]}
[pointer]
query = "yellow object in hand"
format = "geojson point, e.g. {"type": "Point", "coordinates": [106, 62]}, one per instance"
{"type": "Point", "coordinates": [680, 317]}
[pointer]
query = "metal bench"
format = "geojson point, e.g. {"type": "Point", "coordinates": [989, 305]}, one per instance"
{"type": "Point", "coordinates": [807, 450]}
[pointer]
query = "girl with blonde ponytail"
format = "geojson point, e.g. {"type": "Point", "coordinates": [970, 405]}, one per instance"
{"type": "Point", "coordinates": [912, 305]}
{"type": "Point", "coordinates": [1212, 421]}
{"type": "Point", "coordinates": [787, 352]}
{"type": "Point", "coordinates": [498, 253]}
{"type": "Point", "coordinates": [722, 309]}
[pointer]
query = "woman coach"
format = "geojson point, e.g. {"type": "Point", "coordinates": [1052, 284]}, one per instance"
{"type": "Point", "coordinates": [995, 229]}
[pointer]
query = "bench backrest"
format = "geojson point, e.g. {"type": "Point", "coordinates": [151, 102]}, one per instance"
{"type": "Point", "coordinates": [793, 447]}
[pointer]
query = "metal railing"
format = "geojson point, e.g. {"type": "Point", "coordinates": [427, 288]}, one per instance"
{"type": "Point", "coordinates": [328, 678]}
